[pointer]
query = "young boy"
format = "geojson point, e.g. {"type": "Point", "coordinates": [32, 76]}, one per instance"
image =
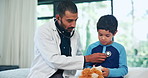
{"type": "Point", "coordinates": [115, 65]}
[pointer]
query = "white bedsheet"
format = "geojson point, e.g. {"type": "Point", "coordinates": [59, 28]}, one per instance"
{"type": "Point", "coordinates": [134, 72]}
{"type": "Point", "coordinates": [15, 73]}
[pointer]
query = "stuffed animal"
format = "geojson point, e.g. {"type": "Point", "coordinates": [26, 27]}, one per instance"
{"type": "Point", "coordinates": [94, 72]}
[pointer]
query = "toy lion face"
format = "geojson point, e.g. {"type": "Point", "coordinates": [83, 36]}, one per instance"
{"type": "Point", "coordinates": [94, 72]}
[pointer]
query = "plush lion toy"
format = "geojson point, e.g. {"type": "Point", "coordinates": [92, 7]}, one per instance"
{"type": "Point", "coordinates": [94, 72]}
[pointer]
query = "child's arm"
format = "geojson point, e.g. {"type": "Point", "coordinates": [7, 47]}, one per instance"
{"type": "Point", "coordinates": [118, 72]}
{"type": "Point", "coordinates": [123, 69]}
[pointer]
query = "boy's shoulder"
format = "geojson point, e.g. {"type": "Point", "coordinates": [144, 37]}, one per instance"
{"type": "Point", "coordinates": [95, 43]}
{"type": "Point", "coordinates": [92, 45]}
{"type": "Point", "coordinates": [116, 44]}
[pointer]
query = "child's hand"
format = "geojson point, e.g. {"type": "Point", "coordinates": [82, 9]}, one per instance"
{"type": "Point", "coordinates": [105, 72]}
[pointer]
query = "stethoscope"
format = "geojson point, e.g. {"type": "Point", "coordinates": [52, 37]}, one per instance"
{"type": "Point", "coordinates": [108, 53]}
{"type": "Point", "coordinates": [63, 33]}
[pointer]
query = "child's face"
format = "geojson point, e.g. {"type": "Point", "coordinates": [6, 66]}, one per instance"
{"type": "Point", "coordinates": [105, 37]}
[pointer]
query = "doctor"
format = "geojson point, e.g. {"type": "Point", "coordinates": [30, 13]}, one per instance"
{"type": "Point", "coordinates": [57, 52]}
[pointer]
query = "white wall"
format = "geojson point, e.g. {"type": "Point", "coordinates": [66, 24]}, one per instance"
{"type": "Point", "coordinates": [2, 14]}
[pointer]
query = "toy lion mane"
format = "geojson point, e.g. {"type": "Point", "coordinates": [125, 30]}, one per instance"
{"type": "Point", "coordinates": [94, 72]}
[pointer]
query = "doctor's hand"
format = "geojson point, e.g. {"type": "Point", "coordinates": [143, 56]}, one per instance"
{"type": "Point", "coordinates": [95, 57]}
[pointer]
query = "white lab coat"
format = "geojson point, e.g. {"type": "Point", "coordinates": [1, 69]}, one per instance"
{"type": "Point", "coordinates": [48, 56]}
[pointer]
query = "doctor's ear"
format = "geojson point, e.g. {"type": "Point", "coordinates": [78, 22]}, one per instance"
{"type": "Point", "coordinates": [58, 17]}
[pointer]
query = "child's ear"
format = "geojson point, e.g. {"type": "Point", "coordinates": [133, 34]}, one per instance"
{"type": "Point", "coordinates": [115, 32]}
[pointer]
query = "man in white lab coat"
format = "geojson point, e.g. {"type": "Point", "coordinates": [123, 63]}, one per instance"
{"type": "Point", "coordinates": [57, 46]}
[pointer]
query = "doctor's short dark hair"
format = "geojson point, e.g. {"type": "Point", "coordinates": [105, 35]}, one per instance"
{"type": "Point", "coordinates": [108, 22]}
{"type": "Point", "coordinates": [66, 5]}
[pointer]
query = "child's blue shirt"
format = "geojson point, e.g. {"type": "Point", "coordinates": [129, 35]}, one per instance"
{"type": "Point", "coordinates": [116, 62]}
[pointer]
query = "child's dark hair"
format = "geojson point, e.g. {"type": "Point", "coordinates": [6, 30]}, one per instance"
{"type": "Point", "coordinates": [66, 5]}
{"type": "Point", "coordinates": [108, 22]}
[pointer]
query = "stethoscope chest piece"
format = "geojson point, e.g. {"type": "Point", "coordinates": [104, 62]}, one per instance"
{"type": "Point", "coordinates": [108, 53]}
